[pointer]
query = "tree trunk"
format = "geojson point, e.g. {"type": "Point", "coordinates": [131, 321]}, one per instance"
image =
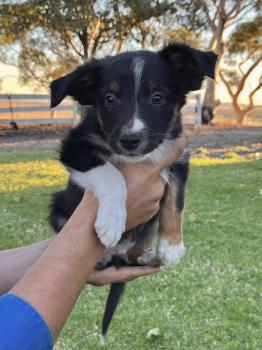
{"type": "Point", "coordinates": [209, 96]}
{"type": "Point", "coordinates": [241, 113]}
{"type": "Point", "coordinates": [216, 44]}
{"type": "Point", "coordinates": [241, 117]}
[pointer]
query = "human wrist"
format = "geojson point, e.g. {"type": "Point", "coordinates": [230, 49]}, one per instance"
{"type": "Point", "coordinates": [57, 278]}
{"type": "Point", "coordinates": [80, 227]}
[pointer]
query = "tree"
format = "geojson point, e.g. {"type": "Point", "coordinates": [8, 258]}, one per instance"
{"type": "Point", "coordinates": [46, 38]}
{"type": "Point", "coordinates": [216, 17]}
{"type": "Point", "coordinates": [184, 35]}
{"type": "Point", "coordinates": [245, 42]}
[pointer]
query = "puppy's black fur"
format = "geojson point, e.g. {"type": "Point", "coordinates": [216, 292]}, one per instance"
{"type": "Point", "coordinates": [136, 98]}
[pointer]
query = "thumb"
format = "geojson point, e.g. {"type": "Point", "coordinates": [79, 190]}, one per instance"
{"type": "Point", "coordinates": [170, 152]}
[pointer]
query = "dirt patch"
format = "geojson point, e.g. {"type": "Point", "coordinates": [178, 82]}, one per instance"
{"type": "Point", "coordinates": [211, 137]}
{"type": "Point", "coordinates": [214, 137]}
{"type": "Point", "coordinates": [32, 138]}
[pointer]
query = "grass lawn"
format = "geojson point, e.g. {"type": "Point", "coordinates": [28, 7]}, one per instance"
{"type": "Point", "coordinates": [212, 300]}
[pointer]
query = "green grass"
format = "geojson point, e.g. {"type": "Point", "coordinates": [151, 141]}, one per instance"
{"type": "Point", "coordinates": [22, 156]}
{"type": "Point", "coordinates": [211, 301]}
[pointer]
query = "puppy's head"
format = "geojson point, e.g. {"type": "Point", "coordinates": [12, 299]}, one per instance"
{"type": "Point", "coordinates": [137, 96]}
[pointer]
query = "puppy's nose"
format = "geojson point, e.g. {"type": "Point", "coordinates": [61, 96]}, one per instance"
{"type": "Point", "coordinates": [130, 141]}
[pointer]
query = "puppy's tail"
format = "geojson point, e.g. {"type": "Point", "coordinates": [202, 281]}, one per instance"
{"type": "Point", "coordinates": [114, 296]}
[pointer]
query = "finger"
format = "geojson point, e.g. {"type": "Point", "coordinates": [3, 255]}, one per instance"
{"type": "Point", "coordinates": [172, 153]}
{"type": "Point", "coordinates": [130, 273]}
{"type": "Point", "coordinates": [107, 276]}
{"type": "Point", "coordinates": [159, 188]}
{"type": "Point", "coordinates": [123, 274]}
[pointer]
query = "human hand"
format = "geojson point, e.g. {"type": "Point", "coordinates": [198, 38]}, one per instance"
{"type": "Point", "coordinates": [145, 187]}
{"type": "Point", "coordinates": [113, 274]}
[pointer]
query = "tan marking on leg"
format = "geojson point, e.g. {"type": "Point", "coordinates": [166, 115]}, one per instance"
{"type": "Point", "coordinates": [170, 225]}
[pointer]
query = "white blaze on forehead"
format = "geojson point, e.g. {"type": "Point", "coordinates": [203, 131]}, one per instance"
{"type": "Point", "coordinates": [138, 66]}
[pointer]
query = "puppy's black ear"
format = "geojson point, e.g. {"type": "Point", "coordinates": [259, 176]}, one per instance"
{"type": "Point", "coordinates": [80, 84]}
{"type": "Point", "coordinates": [190, 64]}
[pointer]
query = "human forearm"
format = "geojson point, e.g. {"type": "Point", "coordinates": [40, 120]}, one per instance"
{"type": "Point", "coordinates": [57, 278]}
{"type": "Point", "coordinates": [14, 263]}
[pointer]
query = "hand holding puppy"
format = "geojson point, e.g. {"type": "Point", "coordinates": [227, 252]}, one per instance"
{"type": "Point", "coordinates": [145, 186]}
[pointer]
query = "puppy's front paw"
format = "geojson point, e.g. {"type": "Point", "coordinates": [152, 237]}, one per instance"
{"type": "Point", "coordinates": [110, 224]}
{"type": "Point", "coordinates": [170, 254]}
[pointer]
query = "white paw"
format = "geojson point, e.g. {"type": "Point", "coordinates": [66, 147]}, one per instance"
{"type": "Point", "coordinates": [170, 254]}
{"type": "Point", "coordinates": [110, 224]}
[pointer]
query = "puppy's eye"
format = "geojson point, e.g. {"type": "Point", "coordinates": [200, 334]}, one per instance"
{"type": "Point", "coordinates": [157, 99]}
{"type": "Point", "coordinates": [110, 100]}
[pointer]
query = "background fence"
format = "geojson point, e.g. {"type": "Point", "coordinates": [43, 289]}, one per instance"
{"type": "Point", "coordinates": [35, 109]}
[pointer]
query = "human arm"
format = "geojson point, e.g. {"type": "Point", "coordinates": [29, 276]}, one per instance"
{"type": "Point", "coordinates": [140, 178]}
{"type": "Point", "coordinates": [14, 263]}
{"type": "Point", "coordinates": [77, 243]}
{"type": "Point", "coordinates": [55, 281]}
{"type": "Point", "coordinates": [58, 276]}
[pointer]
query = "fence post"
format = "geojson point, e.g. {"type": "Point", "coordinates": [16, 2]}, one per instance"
{"type": "Point", "coordinates": [74, 115]}
{"type": "Point", "coordinates": [198, 120]}
{"type": "Point", "coordinates": [54, 114]}
{"type": "Point", "coordinates": [9, 97]}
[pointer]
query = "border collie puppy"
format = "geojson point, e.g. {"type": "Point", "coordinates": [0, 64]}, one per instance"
{"type": "Point", "coordinates": [136, 98]}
